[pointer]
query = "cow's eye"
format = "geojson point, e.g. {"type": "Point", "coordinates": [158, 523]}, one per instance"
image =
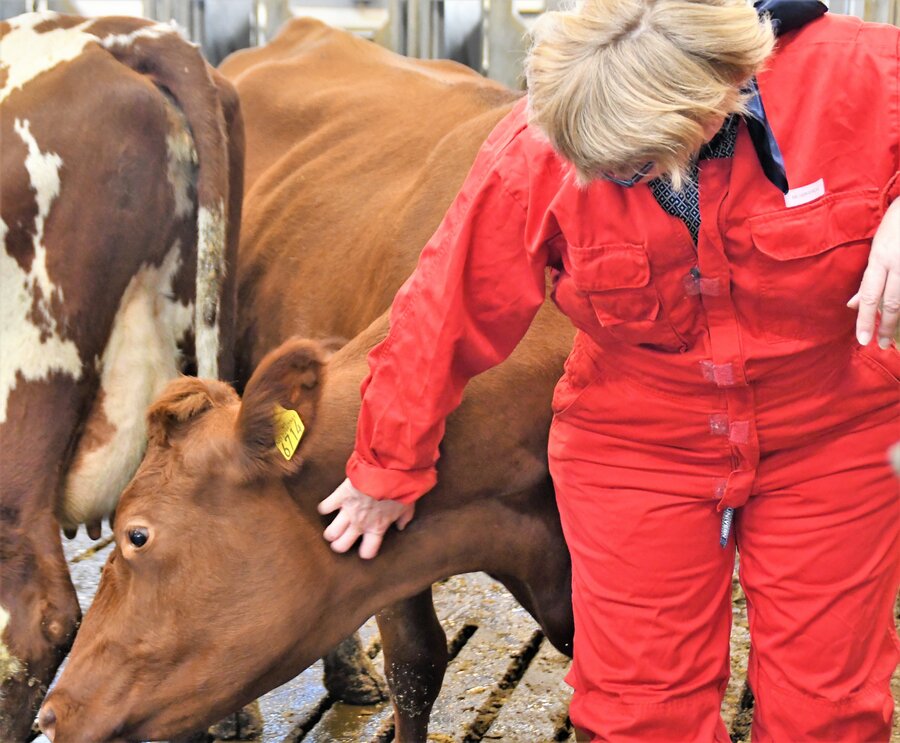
{"type": "Point", "coordinates": [139, 536]}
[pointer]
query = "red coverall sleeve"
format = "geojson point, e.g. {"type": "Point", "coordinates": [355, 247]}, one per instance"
{"type": "Point", "coordinates": [473, 295]}
{"type": "Point", "coordinates": [892, 192]}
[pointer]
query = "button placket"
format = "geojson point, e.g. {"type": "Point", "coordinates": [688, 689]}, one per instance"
{"type": "Point", "coordinates": [696, 284]}
{"type": "Point", "coordinates": [738, 432]}
{"type": "Point", "coordinates": [722, 375]}
{"type": "Point", "coordinates": [725, 366]}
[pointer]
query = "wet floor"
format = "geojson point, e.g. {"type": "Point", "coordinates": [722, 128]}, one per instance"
{"type": "Point", "coordinates": [504, 682]}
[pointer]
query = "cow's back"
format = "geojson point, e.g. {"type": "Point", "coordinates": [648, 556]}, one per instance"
{"type": "Point", "coordinates": [353, 156]}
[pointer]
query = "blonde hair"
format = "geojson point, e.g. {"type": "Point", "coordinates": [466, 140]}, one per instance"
{"type": "Point", "coordinates": [615, 84]}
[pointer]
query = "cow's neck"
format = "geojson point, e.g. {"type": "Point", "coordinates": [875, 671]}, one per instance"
{"type": "Point", "coordinates": [439, 542]}
{"type": "Point", "coordinates": [334, 594]}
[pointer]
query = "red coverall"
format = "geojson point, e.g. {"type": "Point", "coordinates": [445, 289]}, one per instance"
{"type": "Point", "coordinates": [725, 374]}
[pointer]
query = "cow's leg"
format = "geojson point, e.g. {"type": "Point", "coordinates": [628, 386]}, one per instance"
{"type": "Point", "coordinates": [350, 675]}
{"type": "Point", "coordinates": [540, 578]}
{"type": "Point", "coordinates": [550, 603]}
{"type": "Point", "coordinates": [554, 610]}
{"type": "Point", "coordinates": [548, 574]}
{"type": "Point", "coordinates": [415, 659]}
{"type": "Point", "coordinates": [544, 587]}
{"type": "Point", "coordinates": [39, 614]}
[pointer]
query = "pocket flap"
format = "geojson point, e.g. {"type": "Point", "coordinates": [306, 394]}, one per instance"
{"type": "Point", "coordinates": [811, 229]}
{"type": "Point", "coordinates": [606, 267]}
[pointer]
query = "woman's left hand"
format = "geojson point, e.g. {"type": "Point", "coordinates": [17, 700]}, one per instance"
{"type": "Point", "coordinates": [360, 515]}
{"type": "Point", "coordinates": [881, 283]}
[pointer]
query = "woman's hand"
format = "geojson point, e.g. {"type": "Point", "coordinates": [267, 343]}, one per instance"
{"type": "Point", "coordinates": [881, 283]}
{"type": "Point", "coordinates": [360, 515]}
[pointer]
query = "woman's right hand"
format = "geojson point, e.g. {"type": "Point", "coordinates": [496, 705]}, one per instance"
{"type": "Point", "coordinates": [881, 283]}
{"type": "Point", "coordinates": [360, 515]}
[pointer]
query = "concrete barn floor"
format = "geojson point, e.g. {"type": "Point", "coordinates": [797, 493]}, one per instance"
{"type": "Point", "coordinates": [504, 682]}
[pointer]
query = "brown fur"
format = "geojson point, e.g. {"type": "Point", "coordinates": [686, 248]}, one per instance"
{"type": "Point", "coordinates": [98, 430]}
{"type": "Point", "coordinates": [183, 400]}
{"type": "Point", "coordinates": [353, 153]}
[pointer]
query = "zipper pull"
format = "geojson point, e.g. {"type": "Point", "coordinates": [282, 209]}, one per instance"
{"type": "Point", "coordinates": [725, 529]}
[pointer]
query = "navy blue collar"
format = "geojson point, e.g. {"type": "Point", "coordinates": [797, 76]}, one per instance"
{"type": "Point", "coordinates": [789, 15]}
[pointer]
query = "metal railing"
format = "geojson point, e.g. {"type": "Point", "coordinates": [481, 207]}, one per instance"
{"type": "Point", "coordinates": [879, 11]}
{"type": "Point", "coordinates": [188, 14]}
{"type": "Point", "coordinates": [419, 28]}
{"type": "Point", "coordinates": [488, 35]}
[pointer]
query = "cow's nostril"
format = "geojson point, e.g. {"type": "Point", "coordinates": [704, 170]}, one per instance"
{"type": "Point", "coordinates": [47, 721]}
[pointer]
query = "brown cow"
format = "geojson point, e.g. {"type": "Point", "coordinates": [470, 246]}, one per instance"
{"type": "Point", "coordinates": [353, 154]}
{"type": "Point", "coordinates": [379, 146]}
{"type": "Point", "coordinates": [215, 507]}
{"type": "Point", "coordinates": [301, 100]}
{"type": "Point", "coordinates": [119, 203]}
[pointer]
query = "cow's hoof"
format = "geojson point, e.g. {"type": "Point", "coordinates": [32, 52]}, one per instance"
{"type": "Point", "coordinates": [358, 690]}
{"type": "Point", "coordinates": [20, 697]}
{"type": "Point", "coordinates": [245, 725]}
{"type": "Point", "coordinates": [350, 675]}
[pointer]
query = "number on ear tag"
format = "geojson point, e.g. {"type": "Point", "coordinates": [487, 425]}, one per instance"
{"type": "Point", "coordinates": [288, 431]}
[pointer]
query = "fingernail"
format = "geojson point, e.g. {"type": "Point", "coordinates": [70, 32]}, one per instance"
{"type": "Point", "coordinates": [864, 336]}
{"type": "Point", "coordinates": [884, 343]}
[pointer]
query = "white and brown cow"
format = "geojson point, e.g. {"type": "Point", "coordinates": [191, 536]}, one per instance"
{"type": "Point", "coordinates": [121, 184]}
{"type": "Point", "coordinates": [353, 156]}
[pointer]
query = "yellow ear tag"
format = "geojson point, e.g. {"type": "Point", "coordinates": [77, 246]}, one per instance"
{"type": "Point", "coordinates": [288, 431]}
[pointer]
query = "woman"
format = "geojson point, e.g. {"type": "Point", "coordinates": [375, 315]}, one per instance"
{"type": "Point", "coordinates": [706, 249]}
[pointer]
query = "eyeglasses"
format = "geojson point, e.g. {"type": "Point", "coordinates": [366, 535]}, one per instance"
{"type": "Point", "coordinates": [629, 182]}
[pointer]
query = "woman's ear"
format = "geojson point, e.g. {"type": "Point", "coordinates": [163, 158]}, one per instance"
{"type": "Point", "coordinates": [287, 379]}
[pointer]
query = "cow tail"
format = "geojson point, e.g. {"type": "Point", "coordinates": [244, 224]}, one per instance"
{"type": "Point", "coordinates": [158, 52]}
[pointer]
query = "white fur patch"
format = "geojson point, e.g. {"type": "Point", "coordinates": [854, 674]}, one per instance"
{"type": "Point", "coordinates": [43, 170]}
{"type": "Point", "coordinates": [25, 54]}
{"type": "Point", "coordinates": [9, 664]}
{"type": "Point", "coordinates": [182, 160]}
{"type": "Point", "coordinates": [140, 358]}
{"type": "Point", "coordinates": [210, 274]}
{"type": "Point", "coordinates": [32, 351]}
{"type": "Point", "coordinates": [147, 32]}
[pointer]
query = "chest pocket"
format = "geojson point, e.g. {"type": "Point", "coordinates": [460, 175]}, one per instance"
{"type": "Point", "coordinates": [811, 261]}
{"type": "Point", "coordinates": [616, 280]}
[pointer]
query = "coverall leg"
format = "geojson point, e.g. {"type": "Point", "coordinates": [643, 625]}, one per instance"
{"type": "Point", "coordinates": [651, 585]}
{"type": "Point", "coordinates": [820, 558]}
{"type": "Point", "coordinates": [819, 542]}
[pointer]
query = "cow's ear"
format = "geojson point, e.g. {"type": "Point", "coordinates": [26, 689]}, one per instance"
{"type": "Point", "coordinates": [287, 381]}
{"type": "Point", "coordinates": [180, 402]}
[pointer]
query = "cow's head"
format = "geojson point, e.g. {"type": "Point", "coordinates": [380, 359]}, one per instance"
{"type": "Point", "coordinates": [215, 570]}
